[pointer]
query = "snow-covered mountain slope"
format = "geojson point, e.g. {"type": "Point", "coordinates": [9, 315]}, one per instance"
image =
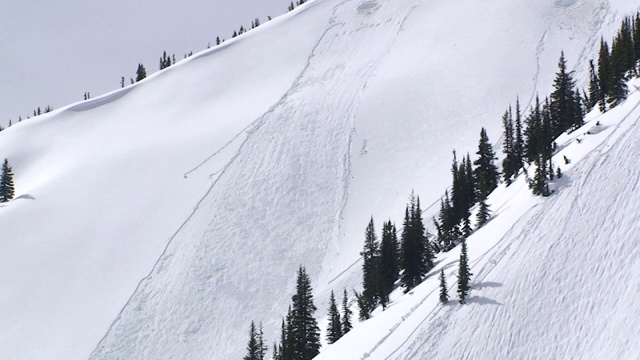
{"type": "Point", "coordinates": [158, 220]}
{"type": "Point", "coordinates": [554, 278]}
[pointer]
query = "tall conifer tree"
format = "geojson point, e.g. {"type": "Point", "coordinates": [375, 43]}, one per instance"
{"type": "Point", "coordinates": [444, 295]}
{"type": "Point", "coordinates": [346, 314]}
{"type": "Point", "coordinates": [334, 328]}
{"type": "Point", "coordinates": [370, 258]}
{"type": "Point", "coordinates": [486, 172]}
{"type": "Point", "coordinates": [464, 274]}
{"type": "Point", "coordinates": [305, 331]}
{"type": "Point", "coordinates": [253, 349]}
{"type": "Point", "coordinates": [388, 261]}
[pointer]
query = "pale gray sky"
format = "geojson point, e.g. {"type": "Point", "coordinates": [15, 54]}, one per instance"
{"type": "Point", "coordinates": [52, 52]}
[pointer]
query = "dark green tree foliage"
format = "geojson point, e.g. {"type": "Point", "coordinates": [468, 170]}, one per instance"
{"type": "Point", "coordinates": [305, 331]}
{"type": "Point", "coordinates": [253, 347]}
{"type": "Point", "coordinates": [346, 314]}
{"type": "Point", "coordinates": [486, 172]}
{"type": "Point", "coordinates": [447, 232]}
{"type": "Point", "coordinates": [334, 329]}
{"type": "Point", "coordinates": [364, 306]}
{"type": "Point", "coordinates": [141, 73]}
{"type": "Point", "coordinates": [444, 295]}
{"type": "Point", "coordinates": [532, 132]}
{"type": "Point", "coordinates": [370, 258]}
{"type": "Point", "coordinates": [416, 258]}
{"type": "Point", "coordinates": [462, 189]}
{"type": "Point", "coordinates": [285, 351]}
{"type": "Point", "coordinates": [518, 141]}
{"type": "Point", "coordinates": [261, 344]}
{"type": "Point", "coordinates": [471, 183]}
{"type": "Point", "coordinates": [389, 267]}
{"type": "Point", "coordinates": [636, 36]}
{"type": "Point", "coordinates": [604, 74]}
{"type": "Point", "coordinates": [546, 131]}
{"type": "Point", "coordinates": [421, 235]}
{"type": "Point", "coordinates": [539, 185]}
{"type": "Point", "coordinates": [594, 86]}
{"type": "Point", "coordinates": [621, 61]}
{"type": "Point", "coordinates": [7, 189]}
{"type": "Point", "coordinates": [509, 163]}
{"type": "Point", "coordinates": [483, 214]}
{"type": "Point", "coordinates": [256, 349]}
{"type": "Point", "coordinates": [464, 274]}
{"type": "Point", "coordinates": [165, 61]}
{"type": "Point", "coordinates": [563, 107]}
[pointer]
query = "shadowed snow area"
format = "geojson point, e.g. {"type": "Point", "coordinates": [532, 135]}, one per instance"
{"type": "Point", "coordinates": [171, 213]}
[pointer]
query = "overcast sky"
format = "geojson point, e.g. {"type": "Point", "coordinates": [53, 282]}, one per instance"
{"type": "Point", "coordinates": [52, 52]}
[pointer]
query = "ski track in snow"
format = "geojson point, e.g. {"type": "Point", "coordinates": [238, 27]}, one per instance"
{"type": "Point", "coordinates": [420, 345]}
{"type": "Point", "coordinates": [315, 74]}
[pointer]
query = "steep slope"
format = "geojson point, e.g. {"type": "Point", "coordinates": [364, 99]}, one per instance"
{"type": "Point", "coordinates": [553, 278]}
{"type": "Point", "coordinates": [212, 181]}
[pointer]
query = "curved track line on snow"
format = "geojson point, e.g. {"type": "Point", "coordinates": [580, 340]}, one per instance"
{"type": "Point", "coordinates": [256, 124]}
{"type": "Point", "coordinates": [499, 251]}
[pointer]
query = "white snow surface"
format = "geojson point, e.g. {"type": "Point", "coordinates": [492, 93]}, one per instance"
{"type": "Point", "coordinates": [157, 221]}
{"type": "Point", "coordinates": [553, 278]}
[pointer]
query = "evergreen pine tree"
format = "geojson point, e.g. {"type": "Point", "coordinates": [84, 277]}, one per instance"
{"type": "Point", "coordinates": [141, 73]}
{"type": "Point", "coordinates": [425, 256]}
{"type": "Point", "coordinates": [518, 142]}
{"type": "Point", "coordinates": [486, 172]}
{"type": "Point", "coordinates": [286, 347]}
{"type": "Point", "coordinates": [305, 331]}
{"type": "Point", "coordinates": [604, 74]}
{"type": "Point", "coordinates": [370, 254]}
{"type": "Point", "coordinates": [334, 329]}
{"type": "Point", "coordinates": [563, 108]}
{"type": "Point", "coordinates": [509, 162]}
{"type": "Point", "coordinates": [594, 86]}
{"type": "Point", "coordinates": [532, 132]}
{"type": "Point", "coordinates": [388, 261]}
{"type": "Point", "coordinates": [618, 61]}
{"type": "Point", "coordinates": [262, 346]}
{"type": "Point", "coordinates": [471, 184]}
{"type": "Point", "coordinates": [444, 296]}
{"type": "Point", "coordinates": [253, 347]}
{"type": "Point", "coordinates": [364, 307]}
{"type": "Point", "coordinates": [346, 314]}
{"type": "Point", "coordinates": [464, 274]}
{"type": "Point", "coordinates": [7, 190]}
{"type": "Point", "coordinates": [540, 183]}
{"type": "Point", "coordinates": [483, 213]}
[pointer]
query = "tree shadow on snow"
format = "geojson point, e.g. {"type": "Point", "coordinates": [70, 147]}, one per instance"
{"type": "Point", "coordinates": [487, 284]}
{"type": "Point", "coordinates": [482, 301]}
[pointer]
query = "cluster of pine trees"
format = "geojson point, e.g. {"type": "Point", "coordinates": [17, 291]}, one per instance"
{"type": "Point", "coordinates": [7, 189]}
{"type": "Point", "coordinates": [298, 3]}
{"type": "Point", "coordinates": [300, 334]}
{"type": "Point", "coordinates": [607, 86]}
{"type": "Point", "coordinates": [389, 260]}
{"type": "Point", "coordinates": [36, 112]}
{"type": "Point", "coordinates": [166, 61]}
{"type": "Point", "coordinates": [464, 278]}
{"type": "Point", "coordinates": [471, 184]}
{"type": "Point", "coordinates": [530, 141]}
